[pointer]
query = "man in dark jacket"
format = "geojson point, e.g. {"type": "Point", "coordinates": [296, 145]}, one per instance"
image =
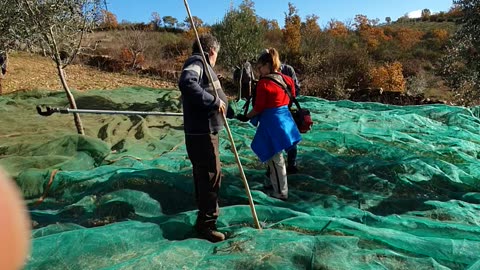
{"type": "Point", "coordinates": [204, 102]}
{"type": "Point", "coordinates": [290, 71]}
{"type": "Point", "coordinates": [292, 153]}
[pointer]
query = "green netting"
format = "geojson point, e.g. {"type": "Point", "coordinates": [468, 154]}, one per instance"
{"type": "Point", "coordinates": [380, 187]}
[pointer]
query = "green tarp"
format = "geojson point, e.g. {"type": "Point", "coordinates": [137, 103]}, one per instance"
{"type": "Point", "coordinates": [380, 187]}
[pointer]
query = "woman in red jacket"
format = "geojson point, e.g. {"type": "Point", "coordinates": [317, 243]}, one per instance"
{"type": "Point", "coordinates": [276, 130]}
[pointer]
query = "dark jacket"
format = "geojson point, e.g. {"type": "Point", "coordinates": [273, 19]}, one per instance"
{"type": "Point", "coordinates": [290, 71]}
{"type": "Point", "coordinates": [3, 64]}
{"type": "Point", "coordinates": [200, 104]}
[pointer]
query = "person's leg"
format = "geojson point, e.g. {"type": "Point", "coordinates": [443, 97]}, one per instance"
{"type": "Point", "coordinates": [278, 176]}
{"type": "Point", "coordinates": [267, 184]}
{"type": "Point", "coordinates": [292, 160]}
{"type": "Point", "coordinates": [203, 152]}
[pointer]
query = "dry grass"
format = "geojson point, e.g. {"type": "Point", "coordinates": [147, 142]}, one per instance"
{"type": "Point", "coordinates": [29, 72]}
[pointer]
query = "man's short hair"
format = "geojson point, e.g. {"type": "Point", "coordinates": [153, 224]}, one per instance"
{"type": "Point", "coordinates": [208, 42]}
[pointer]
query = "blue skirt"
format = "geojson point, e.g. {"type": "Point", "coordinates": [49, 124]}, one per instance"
{"type": "Point", "coordinates": [276, 132]}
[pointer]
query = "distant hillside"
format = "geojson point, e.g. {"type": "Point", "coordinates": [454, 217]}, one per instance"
{"type": "Point", "coordinates": [336, 62]}
{"type": "Point", "coordinates": [426, 26]}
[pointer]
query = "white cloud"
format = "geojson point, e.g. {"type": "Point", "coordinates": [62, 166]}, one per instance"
{"type": "Point", "coordinates": [414, 14]}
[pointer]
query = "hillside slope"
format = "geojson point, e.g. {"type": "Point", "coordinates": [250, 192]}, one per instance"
{"type": "Point", "coordinates": [29, 72]}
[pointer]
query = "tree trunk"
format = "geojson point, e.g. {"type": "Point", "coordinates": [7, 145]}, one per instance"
{"type": "Point", "coordinates": [240, 83]}
{"type": "Point", "coordinates": [71, 100]}
{"type": "Point", "coordinates": [134, 60]}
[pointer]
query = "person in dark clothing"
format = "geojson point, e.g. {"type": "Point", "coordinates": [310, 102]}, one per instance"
{"type": "Point", "coordinates": [243, 77]}
{"type": "Point", "coordinates": [203, 104]}
{"type": "Point", "coordinates": [292, 153]}
{"type": "Point", "coordinates": [3, 68]}
{"type": "Point", "coordinates": [290, 71]}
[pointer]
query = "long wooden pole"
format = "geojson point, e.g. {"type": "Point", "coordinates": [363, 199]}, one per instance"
{"type": "Point", "coordinates": [230, 137]}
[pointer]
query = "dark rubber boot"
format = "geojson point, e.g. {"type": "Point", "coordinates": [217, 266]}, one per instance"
{"type": "Point", "coordinates": [209, 232]}
{"type": "Point", "coordinates": [292, 170]}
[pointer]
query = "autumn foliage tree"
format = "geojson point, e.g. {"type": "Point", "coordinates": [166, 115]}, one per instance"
{"type": "Point", "coordinates": [190, 33]}
{"type": "Point", "coordinates": [291, 33]}
{"type": "Point", "coordinates": [407, 38]}
{"type": "Point", "coordinates": [311, 26]}
{"type": "Point", "coordinates": [372, 36]}
{"type": "Point", "coordinates": [109, 20]}
{"type": "Point", "coordinates": [388, 77]}
{"type": "Point", "coordinates": [441, 35]}
{"type": "Point", "coordinates": [337, 29]}
{"type": "Point", "coordinates": [272, 33]}
{"type": "Point", "coordinates": [437, 38]}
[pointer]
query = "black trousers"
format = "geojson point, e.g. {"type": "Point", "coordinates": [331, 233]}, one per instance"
{"type": "Point", "coordinates": [204, 154]}
{"type": "Point", "coordinates": [292, 157]}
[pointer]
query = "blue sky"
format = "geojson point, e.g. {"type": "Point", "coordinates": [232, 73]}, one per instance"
{"type": "Point", "coordinates": [211, 11]}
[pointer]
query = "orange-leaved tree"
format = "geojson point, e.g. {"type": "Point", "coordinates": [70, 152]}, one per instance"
{"type": "Point", "coordinates": [440, 36]}
{"type": "Point", "coordinates": [190, 34]}
{"type": "Point", "coordinates": [337, 29]}
{"type": "Point", "coordinates": [291, 32]}
{"type": "Point", "coordinates": [407, 38]}
{"type": "Point", "coordinates": [273, 34]}
{"type": "Point", "coordinates": [388, 77]}
{"type": "Point", "coordinates": [372, 35]}
{"type": "Point", "coordinates": [109, 20]}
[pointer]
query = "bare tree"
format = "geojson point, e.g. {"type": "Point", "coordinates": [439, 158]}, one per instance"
{"type": "Point", "coordinates": [135, 42]}
{"type": "Point", "coordinates": [59, 28]}
{"type": "Point", "coordinates": [156, 20]}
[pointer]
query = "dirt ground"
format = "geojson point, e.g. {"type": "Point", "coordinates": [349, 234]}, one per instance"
{"type": "Point", "coordinates": [29, 72]}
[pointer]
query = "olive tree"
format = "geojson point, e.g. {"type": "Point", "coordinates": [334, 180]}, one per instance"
{"type": "Point", "coordinates": [240, 35]}
{"type": "Point", "coordinates": [461, 64]}
{"type": "Point", "coordinates": [58, 27]}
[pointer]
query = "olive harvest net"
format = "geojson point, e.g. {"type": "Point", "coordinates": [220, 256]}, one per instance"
{"type": "Point", "coordinates": [379, 187]}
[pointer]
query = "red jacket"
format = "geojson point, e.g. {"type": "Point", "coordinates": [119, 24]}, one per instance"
{"type": "Point", "coordinates": [271, 95]}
